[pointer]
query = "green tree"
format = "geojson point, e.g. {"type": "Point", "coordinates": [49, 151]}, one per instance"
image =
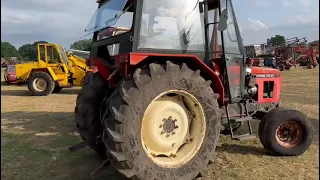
{"type": "Point", "coordinates": [276, 40]}
{"type": "Point", "coordinates": [83, 45]}
{"type": "Point", "coordinates": [25, 50]}
{"type": "Point", "coordinates": [8, 50]}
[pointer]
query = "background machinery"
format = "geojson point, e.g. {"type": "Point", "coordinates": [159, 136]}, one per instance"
{"type": "Point", "coordinates": [161, 97]}
{"type": "Point", "coordinates": [52, 71]}
{"type": "Point", "coordinates": [294, 52]}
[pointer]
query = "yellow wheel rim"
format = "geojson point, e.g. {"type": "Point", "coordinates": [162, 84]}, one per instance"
{"type": "Point", "coordinates": [173, 128]}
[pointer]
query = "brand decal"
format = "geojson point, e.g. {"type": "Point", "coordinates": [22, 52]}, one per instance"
{"type": "Point", "coordinates": [266, 75]}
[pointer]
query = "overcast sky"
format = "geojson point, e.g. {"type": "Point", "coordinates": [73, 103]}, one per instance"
{"type": "Point", "coordinates": [63, 22]}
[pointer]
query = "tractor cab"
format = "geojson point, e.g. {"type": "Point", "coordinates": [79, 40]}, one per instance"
{"type": "Point", "coordinates": [167, 27]}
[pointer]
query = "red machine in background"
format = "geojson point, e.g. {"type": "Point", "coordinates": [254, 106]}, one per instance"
{"type": "Point", "coordinates": [294, 52]}
{"type": "Point", "coordinates": [299, 55]}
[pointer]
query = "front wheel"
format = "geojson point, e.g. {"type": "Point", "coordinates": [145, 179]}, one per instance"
{"type": "Point", "coordinates": [164, 123]}
{"type": "Point", "coordinates": [41, 84]}
{"type": "Point", "coordinates": [285, 132]}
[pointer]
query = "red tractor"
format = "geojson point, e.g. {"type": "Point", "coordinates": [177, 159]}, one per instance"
{"type": "Point", "coordinates": [164, 91]}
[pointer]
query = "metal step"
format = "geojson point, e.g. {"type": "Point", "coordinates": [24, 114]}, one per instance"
{"type": "Point", "coordinates": [244, 137]}
{"type": "Point", "coordinates": [247, 118]}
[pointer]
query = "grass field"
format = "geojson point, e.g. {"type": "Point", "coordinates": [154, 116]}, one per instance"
{"type": "Point", "coordinates": [36, 132]}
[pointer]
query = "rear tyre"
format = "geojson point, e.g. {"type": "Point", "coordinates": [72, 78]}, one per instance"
{"type": "Point", "coordinates": [310, 65]}
{"type": "Point", "coordinates": [164, 123]}
{"type": "Point", "coordinates": [280, 67]}
{"type": "Point", "coordinates": [285, 132]}
{"type": "Point", "coordinates": [87, 111]}
{"type": "Point", "coordinates": [41, 84]}
{"type": "Point", "coordinates": [57, 89]}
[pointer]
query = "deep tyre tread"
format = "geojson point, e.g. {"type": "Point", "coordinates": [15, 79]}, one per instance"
{"type": "Point", "coordinates": [271, 121]}
{"type": "Point", "coordinates": [87, 110]}
{"type": "Point", "coordinates": [47, 78]}
{"type": "Point", "coordinates": [127, 106]}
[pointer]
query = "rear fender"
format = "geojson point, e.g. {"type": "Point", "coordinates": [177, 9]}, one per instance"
{"type": "Point", "coordinates": [129, 62]}
{"type": "Point", "coordinates": [101, 68]}
{"type": "Point", "coordinates": [23, 71]}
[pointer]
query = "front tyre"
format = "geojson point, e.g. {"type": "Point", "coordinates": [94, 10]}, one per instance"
{"type": "Point", "coordinates": [164, 123]}
{"type": "Point", "coordinates": [285, 132]}
{"type": "Point", "coordinates": [41, 84]}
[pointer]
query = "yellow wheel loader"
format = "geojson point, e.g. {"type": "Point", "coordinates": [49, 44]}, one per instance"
{"type": "Point", "coordinates": [52, 71]}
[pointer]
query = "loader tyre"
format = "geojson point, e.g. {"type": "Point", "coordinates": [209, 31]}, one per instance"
{"type": "Point", "coordinates": [40, 84]}
{"type": "Point", "coordinates": [57, 89]}
{"type": "Point", "coordinates": [164, 123]}
{"type": "Point", "coordinates": [285, 132]}
{"type": "Point", "coordinates": [87, 111]}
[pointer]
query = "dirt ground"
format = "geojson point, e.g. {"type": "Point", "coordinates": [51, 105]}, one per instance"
{"type": "Point", "coordinates": [36, 132]}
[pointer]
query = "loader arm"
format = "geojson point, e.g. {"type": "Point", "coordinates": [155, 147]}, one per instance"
{"type": "Point", "coordinates": [78, 62]}
{"type": "Point", "coordinates": [78, 68]}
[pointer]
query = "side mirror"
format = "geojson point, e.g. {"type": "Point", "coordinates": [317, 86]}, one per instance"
{"type": "Point", "coordinates": [222, 25]}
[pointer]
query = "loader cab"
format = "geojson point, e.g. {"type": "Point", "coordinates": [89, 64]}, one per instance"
{"type": "Point", "coordinates": [53, 55]}
{"type": "Point", "coordinates": [207, 29]}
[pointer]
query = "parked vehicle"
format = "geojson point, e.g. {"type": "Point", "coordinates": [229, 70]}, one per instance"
{"type": "Point", "coordinates": [10, 74]}
{"type": "Point", "coordinates": [52, 71]}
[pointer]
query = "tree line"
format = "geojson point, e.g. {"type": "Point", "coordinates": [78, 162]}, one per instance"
{"type": "Point", "coordinates": [29, 52]}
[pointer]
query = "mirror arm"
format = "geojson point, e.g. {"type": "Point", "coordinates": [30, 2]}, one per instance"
{"type": "Point", "coordinates": [208, 24]}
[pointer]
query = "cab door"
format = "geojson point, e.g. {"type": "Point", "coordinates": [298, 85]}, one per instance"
{"type": "Point", "coordinates": [55, 60]}
{"type": "Point", "coordinates": [233, 53]}
{"type": "Point", "coordinates": [57, 65]}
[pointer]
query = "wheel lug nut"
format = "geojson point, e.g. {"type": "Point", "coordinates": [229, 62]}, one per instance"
{"type": "Point", "coordinates": [160, 126]}
{"type": "Point", "coordinates": [164, 119]}
{"type": "Point", "coordinates": [173, 144]}
{"type": "Point", "coordinates": [167, 135]}
{"type": "Point", "coordinates": [175, 120]}
{"type": "Point", "coordinates": [170, 117]}
{"type": "Point", "coordinates": [162, 132]}
{"type": "Point", "coordinates": [172, 155]}
{"type": "Point", "coordinates": [176, 127]}
{"type": "Point", "coordinates": [173, 133]}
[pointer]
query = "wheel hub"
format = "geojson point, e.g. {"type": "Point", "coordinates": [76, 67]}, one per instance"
{"type": "Point", "coordinates": [169, 125]}
{"type": "Point", "coordinates": [289, 134]}
{"type": "Point", "coordinates": [173, 128]}
{"type": "Point", "coordinates": [40, 84]}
